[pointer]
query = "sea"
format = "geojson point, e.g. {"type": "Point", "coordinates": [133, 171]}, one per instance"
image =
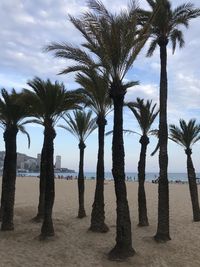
{"type": "Point", "coordinates": [130, 176]}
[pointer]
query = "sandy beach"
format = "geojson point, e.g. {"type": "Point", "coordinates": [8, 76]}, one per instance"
{"type": "Point", "coordinates": [73, 245]}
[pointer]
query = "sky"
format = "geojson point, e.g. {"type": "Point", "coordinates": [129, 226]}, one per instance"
{"type": "Point", "coordinates": [28, 26]}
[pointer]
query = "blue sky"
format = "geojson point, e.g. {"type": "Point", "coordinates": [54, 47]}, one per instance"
{"type": "Point", "coordinates": [27, 26]}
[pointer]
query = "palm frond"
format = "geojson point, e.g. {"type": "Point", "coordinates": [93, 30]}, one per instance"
{"type": "Point", "coordinates": [36, 121]}
{"type": "Point", "coordinates": [113, 39]}
{"type": "Point", "coordinates": [167, 21]}
{"type": "Point", "coordinates": [48, 101]}
{"type": "Point", "coordinates": [23, 130]}
{"type": "Point", "coordinates": [144, 113]}
{"type": "Point", "coordinates": [95, 91]}
{"type": "Point", "coordinates": [187, 134]}
{"type": "Point", "coordinates": [12, 108]}
{"type": "Point", "coordinates": [152, 47]}
{"type": "Point", "coordinates": [81, 124]}
{"type": "Point", "coordinates": [74, 68]}
{"type": "Point", "coordinates": [156, 149]}
{"type": "Point", "coordinates": [124, 131]}
{"type": "Point", "coordinates": [176, 36]}
{"type": "Point", "coordinates": [151, 3]}
{"type": "Point", "coordinates": [99, 8]}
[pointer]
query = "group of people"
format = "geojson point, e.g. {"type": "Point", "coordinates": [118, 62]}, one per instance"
{"type": "Point", "coordinates": [68, 177]}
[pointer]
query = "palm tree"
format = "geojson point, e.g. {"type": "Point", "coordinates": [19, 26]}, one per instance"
{"type": "Point", "coordinates": [12, 114]}
{"type": "Point", "coordinates": [115, 42]}
{"type": "Point", "coordinates": [145, 114]}
{"type": "Point", "coordinates": [81, 125]}
{"type": "Point", "coordinates": [165, 27]}
{"type": "Point", "coordinates": [48, 101]}
{"type": "Point", "coordinates": [187, 135]}
{"type": "Point", "coordinates": [95, 90]}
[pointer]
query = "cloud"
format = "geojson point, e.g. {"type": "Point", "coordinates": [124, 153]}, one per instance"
{"type": "Point", "coordinates": [28, 26]}
{"type": "Point", "coordinates": [149, 91]}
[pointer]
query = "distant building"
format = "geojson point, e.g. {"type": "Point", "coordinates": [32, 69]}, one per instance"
{"type": "Point", "coordinates": [22, 165]}
{"type": "Point", "coordinates": [23, 161]}
{"type": "Point", "coordinates": [32, 164]}
{"type": "Point", "coordinates": [58, 162]}
{"type": "Point", "coordinates": [38, 159]}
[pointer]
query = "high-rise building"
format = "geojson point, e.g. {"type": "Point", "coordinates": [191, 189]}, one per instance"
{"type": "Point", "coordinates": [38, 159]}
{"type": "Point", "coordinates": [58, 162]}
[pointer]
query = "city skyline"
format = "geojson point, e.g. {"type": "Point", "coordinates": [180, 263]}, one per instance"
{"type": "Point", "coordinates": [25, 161]}
{"type": "Point", "coordinates": [29, 26]}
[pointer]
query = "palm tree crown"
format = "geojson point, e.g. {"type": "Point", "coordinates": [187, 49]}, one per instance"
{"type": "Point", "coordinates": [112, 38]}
{"type": "Point", "coordinates": [13, 111]}
{"type": "Point", "coordinates": [95, 91]}
{"type": "Point", "coordinates": [48, 101]}
{"type": "Point", "coordinates": [145, 113]}
{"type": "Point", "coordinates": [187, 134]}
{"type": "Point", "coordinates": [167, 22]}
{"type": "Point", "coordinates": [81, 126]}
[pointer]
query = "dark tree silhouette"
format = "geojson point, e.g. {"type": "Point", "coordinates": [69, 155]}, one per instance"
{"type": "Point", "coordinates": [145, 114]}
{"type": "Point", "coordinates": [187, 135]}
{"type": "Point", "coordinates": [116, 42]}
{"type": "Point", "coordinates": [165, 27]}
{"type": "Point", "coordinates": [81, 125]}
{"type": "Point", "coordinates": [48, 102]}
{"type": "Point", "coordinates": [95, 93]}
{"type": "Point", "coordinates": [12, 113]}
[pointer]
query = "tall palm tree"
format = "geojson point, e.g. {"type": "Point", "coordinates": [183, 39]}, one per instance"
{"type": "Point", "coordinates": [95, 90]}
{"type": "Point", "coordinates": [187, 135]}
{"type": "Point", "coordinates": [48, 101]}
{"type": "Point", "coordinates": [145, 114]}
{"type": "Point", "coordinates": [165, 27]}
{"type": "Point", "coordinates": [115, 42]}
{"type": "Point", "coordinates": [81, 125]}
{"type": "Point", "coordinates": [12, 114]}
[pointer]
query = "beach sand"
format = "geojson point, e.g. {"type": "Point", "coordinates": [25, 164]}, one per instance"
{"type": "Point", "coordinates": [73, 245]}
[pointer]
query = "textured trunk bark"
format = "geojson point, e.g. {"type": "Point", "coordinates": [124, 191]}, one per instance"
{"type": "Point", "coordinates": [2, 192]}
{"type": "Point", "coordinates": [98, 213]}
{"type": "Point", "coordinates": [9, 178]}
{"type": "Point", "coordinates": [162, 234]}
{"type": "Point", "coordinates": [40, 214]}
{"type": "Point", "coordinates": [142, 207]}
{"type": "Point", "coordinates": [81, 186]}
{"type": "Point", "coordinates": [47, 226]}
{"type": "Point", "coordinates": [193, 186]}
{"type": "Point", "coordinates": [123, 247]}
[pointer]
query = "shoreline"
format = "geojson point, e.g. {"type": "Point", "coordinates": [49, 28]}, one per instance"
{"type": "Point", "coordinates": [71, 177]}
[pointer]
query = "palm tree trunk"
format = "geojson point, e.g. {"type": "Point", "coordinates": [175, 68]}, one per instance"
{"type": "Point", "coordinates": [2, 192]}
{"type": "Point", "coordinates": [123, 247]}
{"type": "Point", "coordinates": [142, 207]}
{"type": "Point", "coordinates": [47, 226]}
{"type": "Point", "coordinates": [193, 186]}
{"type": "Point", "coordinates": [98, 213]}
{"type": "Point", "coordinates": [9, 178]}
{"type": "Point", "coordinates": [40, 215]}
{"type": "Point", "coordinates": [162, 234]}
{"type": "Point", "coordinates": [81, 186]}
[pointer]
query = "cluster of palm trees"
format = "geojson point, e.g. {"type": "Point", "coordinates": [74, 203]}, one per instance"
{"type": "Point", "coordinates": [111, 44]}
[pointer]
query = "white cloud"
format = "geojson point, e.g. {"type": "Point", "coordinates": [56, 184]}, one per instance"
{"type": "Point", "coordinates": [27, 26]}
{"type": "Point", "coordinates": [145, 91]}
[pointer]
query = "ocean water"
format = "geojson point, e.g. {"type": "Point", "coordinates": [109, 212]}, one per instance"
{"type": "Point", "coordinates": [129, 175]}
